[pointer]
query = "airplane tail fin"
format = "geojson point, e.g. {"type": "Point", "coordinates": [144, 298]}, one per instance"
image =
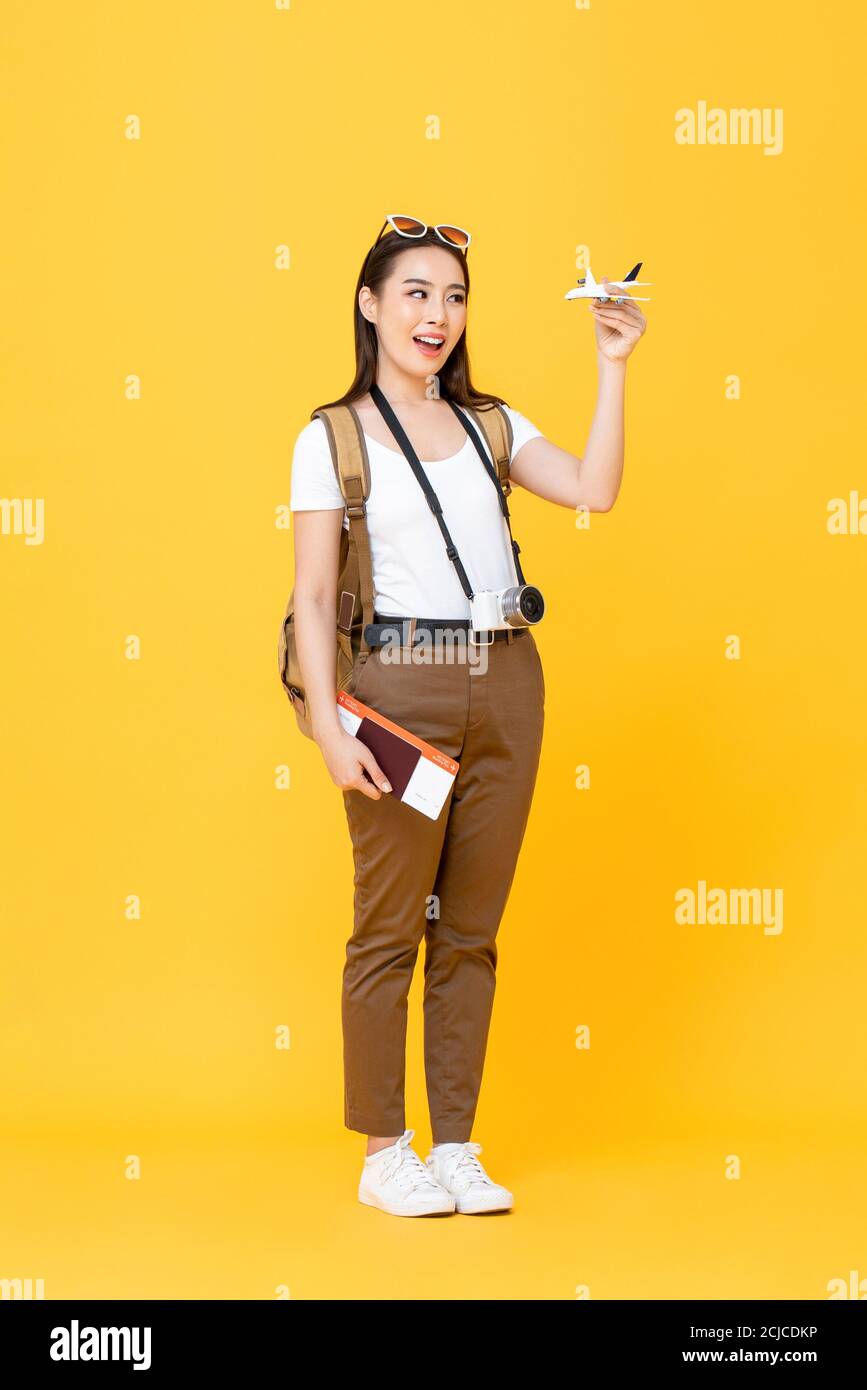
{"type": "Point", "coordinates": [633, 272]}
{"type": "Point", "coordinates": [588, 281]}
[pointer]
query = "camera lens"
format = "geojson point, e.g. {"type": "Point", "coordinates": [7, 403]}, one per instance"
{"type": "Point", "coordinates": [523, 605]}
{"type": "Point", "coordinates": [532, 603]}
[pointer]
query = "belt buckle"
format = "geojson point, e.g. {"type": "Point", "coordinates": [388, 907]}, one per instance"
{"type": "Point", "coordinates": [471, 639]}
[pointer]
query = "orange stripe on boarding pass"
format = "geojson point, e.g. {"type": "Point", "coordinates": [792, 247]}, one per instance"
{"type": "Point", "coordinates": [365, 712]}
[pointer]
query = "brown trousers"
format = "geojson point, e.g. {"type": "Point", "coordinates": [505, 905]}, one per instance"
{"type": "Point", "coordinates": [446, 880]}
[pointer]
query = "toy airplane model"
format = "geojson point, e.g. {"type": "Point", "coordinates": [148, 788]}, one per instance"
{"type": "Point", "coordinates": [590, 290]}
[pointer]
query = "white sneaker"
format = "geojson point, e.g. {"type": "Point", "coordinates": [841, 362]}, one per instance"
{"type": "Point", "coordinates": [456, 1167]}
{"type": "Point", "coordinates": [398, 1182]}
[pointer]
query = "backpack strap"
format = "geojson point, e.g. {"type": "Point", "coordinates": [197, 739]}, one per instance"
{"type": "Point", "coordinates": [352, 469]}
{"type": "Point", "coordinates": [497, 429]}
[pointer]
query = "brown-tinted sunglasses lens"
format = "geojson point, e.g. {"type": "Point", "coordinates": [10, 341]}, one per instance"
{"type": "Point", "coordinates": [410, 226]}
{"type": "Point", "coordinates": [455, 235]}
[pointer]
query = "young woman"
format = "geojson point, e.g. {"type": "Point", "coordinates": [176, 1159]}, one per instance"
{"type": "Point", "coordinates": [445, 880]}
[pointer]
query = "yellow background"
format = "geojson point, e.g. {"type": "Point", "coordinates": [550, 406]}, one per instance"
{"type": "Point", "coordinates": [157, 777]}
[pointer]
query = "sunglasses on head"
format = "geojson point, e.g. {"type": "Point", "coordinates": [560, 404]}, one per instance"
{"type": "Point", "coordinates": [411, 227]}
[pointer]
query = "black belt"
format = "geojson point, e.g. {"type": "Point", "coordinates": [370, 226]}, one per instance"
{"type": "Point", "coordinates": [382, 629]}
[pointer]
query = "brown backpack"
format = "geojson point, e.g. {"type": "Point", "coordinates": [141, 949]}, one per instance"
{"type": "Point", "coordinates": [355, 597]}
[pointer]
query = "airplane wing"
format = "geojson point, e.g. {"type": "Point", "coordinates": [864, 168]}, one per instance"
{"type": "Point", "coordinates": [599, 293]}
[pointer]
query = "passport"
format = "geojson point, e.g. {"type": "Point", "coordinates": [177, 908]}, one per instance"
{"type": "Point", "coordinates": [420, 775]}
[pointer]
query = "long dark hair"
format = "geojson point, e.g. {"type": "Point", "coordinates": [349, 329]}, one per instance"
{"type": "Point", "coordinates": [454, 380]}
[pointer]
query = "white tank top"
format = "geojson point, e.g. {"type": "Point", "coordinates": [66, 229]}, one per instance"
{"type": "Point", "coordinates": [412, 574]}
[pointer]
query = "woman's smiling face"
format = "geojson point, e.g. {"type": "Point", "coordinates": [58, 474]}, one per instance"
{"type": "Point", "coordinates": [424, 297]}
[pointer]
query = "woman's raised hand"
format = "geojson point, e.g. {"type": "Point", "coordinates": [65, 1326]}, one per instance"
{"type": "Point", "coordinates": [618, 326]}
{"type": "Point", "coordinates": [346, 758]}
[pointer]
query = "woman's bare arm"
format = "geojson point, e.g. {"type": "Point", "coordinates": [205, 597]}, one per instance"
{"type": "Point", "coordinates": [317, 553]}
{"type": "Point", "coordinates": [593, 481]}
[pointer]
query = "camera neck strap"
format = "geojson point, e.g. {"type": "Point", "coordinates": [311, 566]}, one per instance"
{"type": "Point", "coordinates": [387, 413]}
